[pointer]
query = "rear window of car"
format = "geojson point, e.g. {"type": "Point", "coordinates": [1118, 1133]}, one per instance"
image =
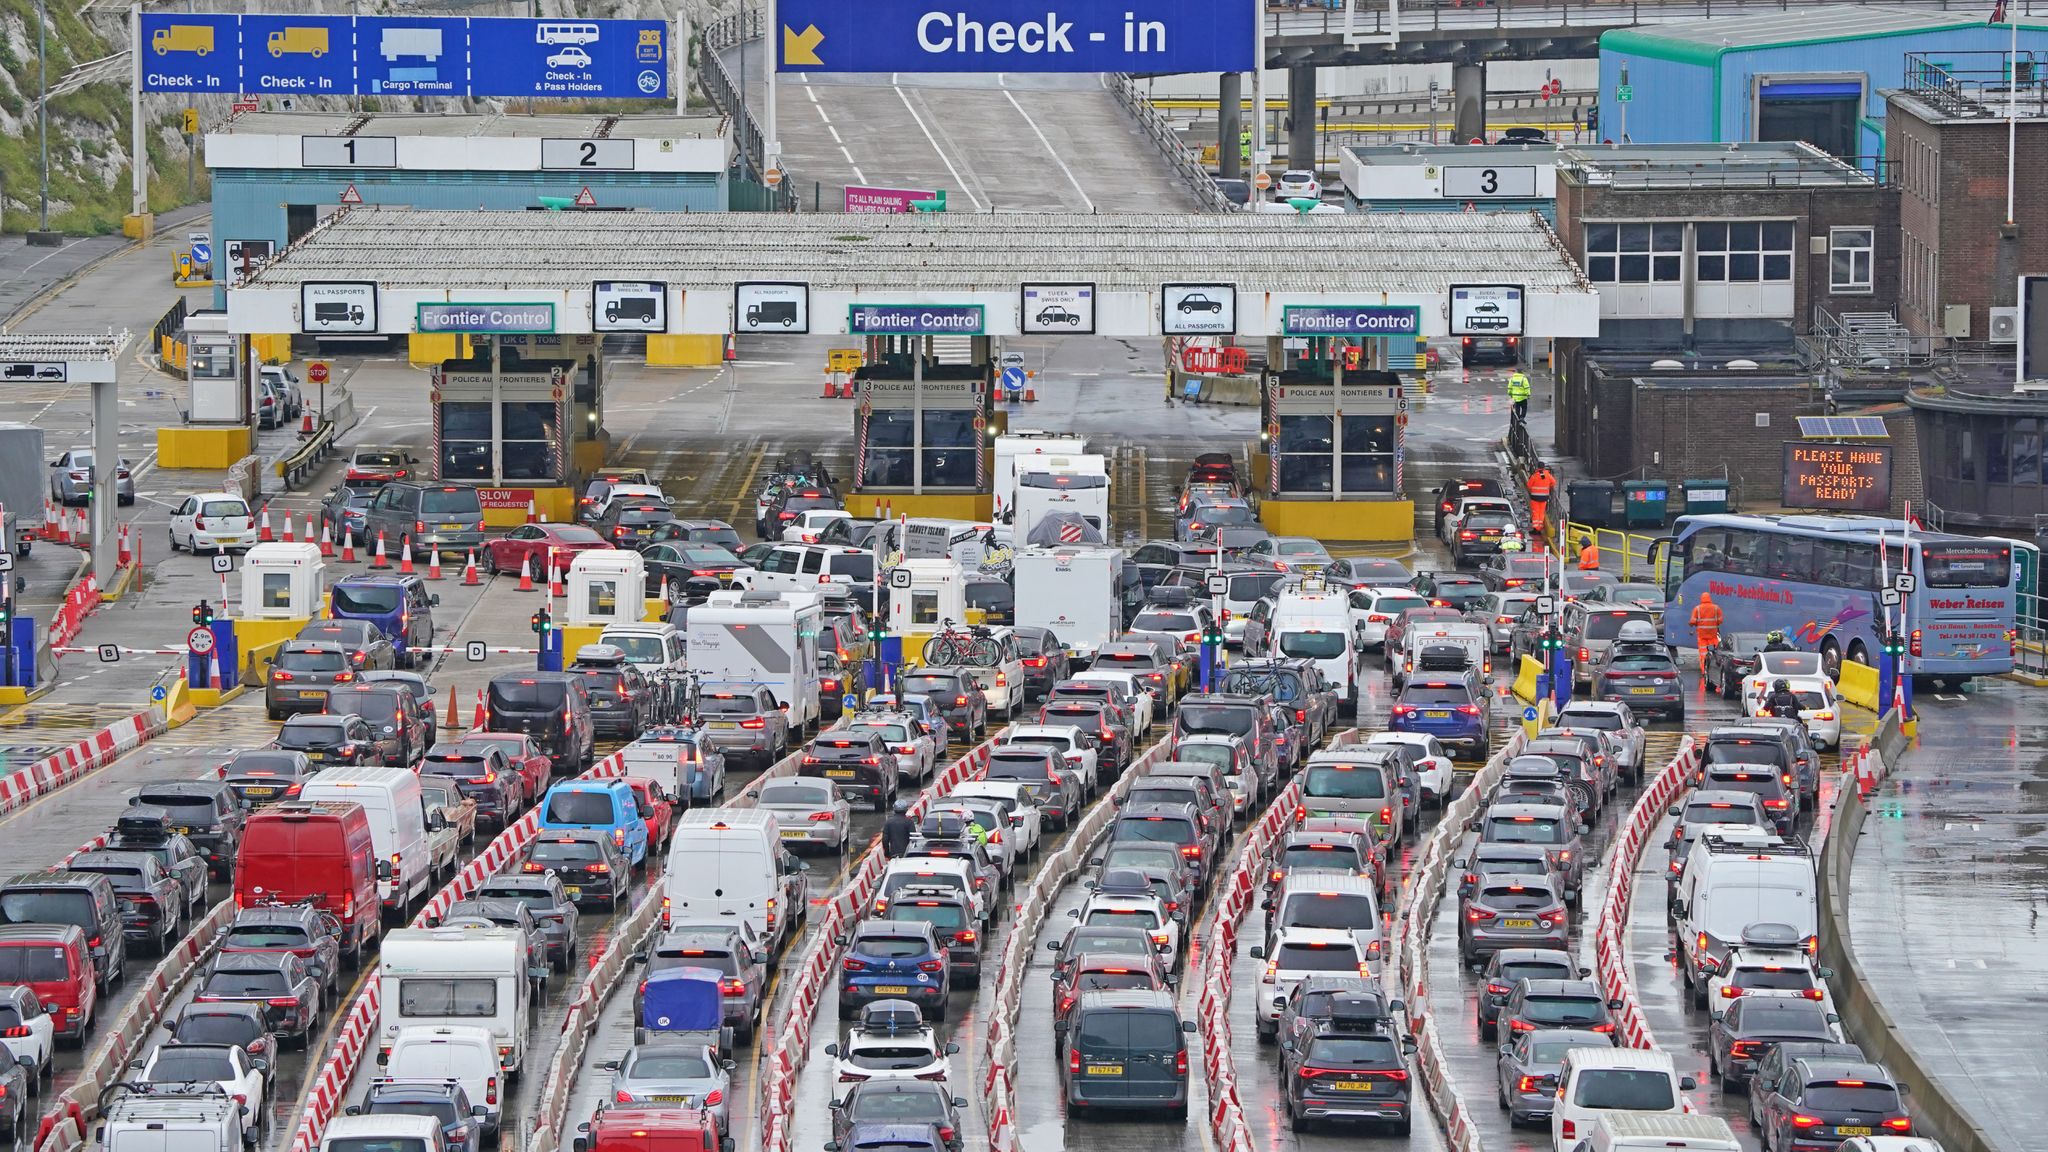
{"type": "Point", "coordinates": [728, 706]}
{"type": "Point", "coordinates": [450, 502]}
{"type": "Point", "coordinates": [366, 599]}
{"type": "Point", "coordinates": [892, 947]}
{"type": "Point", "coordinates": [949, 917]}
{"type": "Point", "coordinates": [563, 852]}
{"type": "Point", "coordinates": [1316, 957]}
{"type": "Point", "coordinates": [224, 508]}
{"type": "Point", "coordinates": [527, 695]}
{"type": "Point", "coordinates": [376, 707]}
{"type": "Point", "coordinates": [1249, 586]}
{"type": "Point", "coordinates": [32, 964]}
{"type": "Point", "coordinates": [1534, 970]}
{"type": "Point", "coordinates": [1337, 911]}
{"type": "Point", "coordinates": [178, 1064]}
{"type": "Point", "coordinates": [216, 1028]}
{"type": "Point", "coordinates": [1607, 625]}
{"type": "Point", "coordinates": [1436, 696]}
{"type": "Point", "coordinates": [792, 792]}
{"type": "Point", "coordinates": [246, 982]}
{"type": "Point", "coordinates": [645, 514]}
{"type": "Point", "coordinates": [1745, 752]}
{"type": "Point", "coordinates": [1222, 719]}
{"type": "Point", "coordinates": [1770, 1015]}
{"type": "Point", "coordinates": [1329, 857]}
{"type": "Point", "coordinates": [314, 734]}
{"type": "Point", "coordinates": [1525, 830]}
{"type": "Point", "coordinates": [1838, 1097]}
{"type": "Point", "coordinates": [184, 809]}
{"type": "Point", "coordinates": [929, 685]}
{"type": "Point", "coordinates": [578, 807]}
{"type": "Point", "coordinates": [1515, 897]}
{"type": "Point", "coordinates": [267, 936]}
{"type": "Point", "coordinates": [1366, 1051]}
{"type": "Point", "coordinates": [1123, 918]}
{"type": "Point", "coordinates": [1786, 979]}
{"type": "Point", "coordinates": [1157, 829]}
{"type": "Point", "coordinates": [1164, 622]}
{"type": "Point", "coordinates": [1564, 1009]}
{"type": "Point", "coordinates": [1345, 782]}
{"type": "Point", "coordinates": [1635, 1089]}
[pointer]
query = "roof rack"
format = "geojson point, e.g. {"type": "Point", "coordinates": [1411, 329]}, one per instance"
{"type": "Point", "coordinates": [1750, 844]}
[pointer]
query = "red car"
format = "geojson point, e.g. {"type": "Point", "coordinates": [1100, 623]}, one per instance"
{"type": "Point", "coordinates": [531, 763]}
{"type": "Point", "coordinates": [539, 544]}
{"type": "Point", "coordinates": [656, 809]}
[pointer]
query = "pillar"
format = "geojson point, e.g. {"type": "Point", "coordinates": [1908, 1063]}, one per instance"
{"type": "Point", "coordinates": [1229, 124]}
{"type": "Point", "coordinates": [106, 456]}
{"type": "Point", "coordinates": [1301, 116]}
{"type": "Point", "coordinates": [1468, 101]}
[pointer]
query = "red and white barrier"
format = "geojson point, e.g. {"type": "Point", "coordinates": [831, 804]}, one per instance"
{"type": "Point", "coordinates": [1610, 939]}
{"type": "Point", "coordinates": [19, 789]}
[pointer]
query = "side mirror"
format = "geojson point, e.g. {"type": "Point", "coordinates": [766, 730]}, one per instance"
{"type": "Point", "coordinates": [959, 1101]}
{"type": "Point", "coordinates": [1257, 952]}
{"type": "Point", "coordinates": [831, 1049]}
{"type": "Point", "coordinates": [1672, 811]}
{"type": "Point", "coordinates": [580, 1144]}
{"type": "Point", "coordinates": [1687, 1084]}
{"type": "Point", "coordinates": [1825, 973]}
{"type": "Point", "coordinates": [1614, 1005]}
{"type": "Point", "coordinates": [1287, 1045]}
{"type": "Point", "coordinates": [383, 869]}
{"type": "Point", "coordinates": [1280, 1002]}
{"type": "Point", "coordinates": [434, 601]}
{"type": "Point", "coordinates": [1074, 912]}
{"type": "Point", "coordinates": [610, 1065]}
{"type": "Point", "coordinates": [725, 1144]}
{"type": "Point", "coordinates": [436, 822]}
{"type": "Point", "coordinates": [1583, 829]}
{"type": "Point", "coordinates": [1834, 1019]}
{"type": "Point", "coordinates": [1585, 972]}
{"type": "Point", "coordinates": [1059, 1025]}
{"type": "Point", "coordinates": [1408, 1045]}
{"type": "Point", "coordinates": [1052, 945]}
{"type": "Point", "coordinates": [952, 1049]}
{"type": "Point", "coordinates": [352, 1110]}
{"type": "Point", "coordinates": [728, 1065]}
{"type": "Point", "coordinates": [841, 941]}
{"type": "Point", "coordinates": [479, 1112]}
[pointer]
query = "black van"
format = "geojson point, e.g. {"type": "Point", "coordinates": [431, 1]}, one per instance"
{"type": "Point", "coordinates": [1126, 1048]}
{"type": "Point", "coordinates": [85, 899]}
{"type": "Point", "coordinates": [551, 707]}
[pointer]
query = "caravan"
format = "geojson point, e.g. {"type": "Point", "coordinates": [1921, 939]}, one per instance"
{"type": "Point", "coordinates": [1024, 450]}
{"type": "Point", "coordinates": [1076, 592]}
{"type": "Point", "coordinates": [1077, 484]}
{"type": "Point", "coordinates": [765, 638]}
{"type": "Point", "coordinates": [455, 977]}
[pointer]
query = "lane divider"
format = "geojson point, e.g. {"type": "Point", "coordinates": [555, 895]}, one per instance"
{"type": "Point", "coordinates": [20, 789]}
{"type": "Point", "coordinates": [1610, 940]}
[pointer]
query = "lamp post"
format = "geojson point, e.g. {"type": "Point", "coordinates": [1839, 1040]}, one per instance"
{"type": "Point", "coordinates": [43, 109]}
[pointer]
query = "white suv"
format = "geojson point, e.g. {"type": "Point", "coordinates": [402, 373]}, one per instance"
{"type": "Point", "coordinates": [1299, 953]}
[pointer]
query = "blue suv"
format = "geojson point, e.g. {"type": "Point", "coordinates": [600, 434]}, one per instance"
{"type": "Point", "coordinates": [1451, 709]}
{"type": "Point", "coordinates": [400, 607]}
{"type": "Point", "coordinates": [605, 806]}
{"type": "Point", "coordinates": [894, 960]}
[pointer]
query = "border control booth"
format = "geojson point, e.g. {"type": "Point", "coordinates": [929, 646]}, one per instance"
{"type": "Point", "coordinates": [919, 431]}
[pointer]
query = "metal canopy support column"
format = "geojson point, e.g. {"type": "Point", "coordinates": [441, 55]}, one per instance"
{"type": "Point", "coordinates": [1301, 116]}
{"type": "Point", "coordinates": [1230, 125]}
{"type": "Point", "coordinates": [106, 477]}
{"type": "Point", "coordinates": [497, 413]}
{"type": "Point", "coordinates": [1468, 101]}
{"type": "Point", "coordinates": [917, 416]}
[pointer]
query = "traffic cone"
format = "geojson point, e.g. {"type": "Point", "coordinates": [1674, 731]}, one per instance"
{"type": "Point", "coordinates": [1030, 394]}
{"type": "Point", "coordinates": [452, 721]}
{"type": "Point", "coordinates": [378, 559]}
{"type": "Point", "coordinates": [327, 540]}
{"type": "Point", "coordinates": [122, 557]}
{"type": "Point", "coordinates": [830, 391]}
{"type": "Point", "coordinates": [555, 581]}
{"type": "Point", "coordinates": [469, 576]}
{"type": "Point", "coordinates": [433, 563]}
{"type": "Point", "coordinates": [308, 537]}
{"type": "Point", "coordinates": [529, 512]}
{"type": "Point", "coordinates": [306, 423]}
{"type": "Point", "coordinates": [288, 537]}
{"type": "Point", "coordinates": [526, 574]}
{"type": "Point", "coordinates": [481, 712]}
{"type": "Point", "coordinates": [265, 535]}
{"type": "Point", "coordinates": [348, 546]}
{"type": "Point", "coordinates": [846, 389]}
{"type": "Point", "coordinates": [731, 353]}
{"type": "Point", "coordinates": [405, 555]}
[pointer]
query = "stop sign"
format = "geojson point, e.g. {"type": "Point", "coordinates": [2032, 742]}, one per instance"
{"type": "Point", "coordinates": [1262, 181]}
{"type": "Point", "coordinates": [316, 372]}
{"type": "Point", "coordinates": [773, 176]}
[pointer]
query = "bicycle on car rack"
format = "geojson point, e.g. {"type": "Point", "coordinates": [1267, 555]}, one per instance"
{"type": "Point", "coordinates": [976, 645]}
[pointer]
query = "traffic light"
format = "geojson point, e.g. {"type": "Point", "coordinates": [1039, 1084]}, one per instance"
{"type": "Point", "coordinates": [877, 632]}
{"type": "Point", "coordinates": [202, 614]}
{"type": "Point", "coordinates": [1212, 634]}
{"type": "Point", "coordinates": [543, 622]}
{"type": "Point", "coordinates": [1894, 645]}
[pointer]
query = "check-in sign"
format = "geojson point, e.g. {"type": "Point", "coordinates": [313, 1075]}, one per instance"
{"type": "Point", "coordinates": [538, 317]}
{"type": "Point", "coordinates": [1351, 320]}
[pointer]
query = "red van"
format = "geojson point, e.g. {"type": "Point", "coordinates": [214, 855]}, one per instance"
{"type": "Point", "coordinates": [55, 962]}
{"type": "Point", "coordinates": [651, 1130]}
{"type": "Point", "coordinates": [313, 850]}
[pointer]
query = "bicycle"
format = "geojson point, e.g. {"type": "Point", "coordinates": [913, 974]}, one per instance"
{"type": "Point", "coordinates": [976, 645]}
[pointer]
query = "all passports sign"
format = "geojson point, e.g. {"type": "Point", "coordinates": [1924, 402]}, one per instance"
{"type": "Point", "coordinates": [1016, 36]}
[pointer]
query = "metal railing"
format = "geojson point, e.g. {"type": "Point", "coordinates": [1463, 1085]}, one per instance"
{"type": "Point", "coordinates": [1185, 160]}
{"type": "Point", "coordinates": [1980, 84]}
{"type": "Point", "coordinates": [724, 92]}
{"type": "Point", "coordinates": [1318, 18]}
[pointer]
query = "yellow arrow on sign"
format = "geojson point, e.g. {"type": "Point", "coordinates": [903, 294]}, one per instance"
{"type": "Point", "coordinates": [801, 47]}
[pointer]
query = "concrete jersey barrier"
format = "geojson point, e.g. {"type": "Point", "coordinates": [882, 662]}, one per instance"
{"type": "Point", "coordinates": [22, 788]}
{"type": "Point", "coordinates": [1610, 933]}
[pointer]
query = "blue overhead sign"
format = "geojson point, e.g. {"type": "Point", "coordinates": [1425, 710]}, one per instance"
{"type": "Point", "coordinates": [1351, 320]}
{"type": "Point", "coordinates": [405, 56]}
{"type": "Point", "coordinates": [1015, 36]}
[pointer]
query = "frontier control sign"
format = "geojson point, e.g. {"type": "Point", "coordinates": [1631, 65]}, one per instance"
{"type": "Point", "coordinates": [1351, 320]}
{"type": "Point", "coordinates": [915, 320]}
{"type": "Point", "coordinates": [1849, 477]}
{"type": "Point", "coordinates": [1015, 36]}
{"type": "Point", "coordinates": [486, 318]}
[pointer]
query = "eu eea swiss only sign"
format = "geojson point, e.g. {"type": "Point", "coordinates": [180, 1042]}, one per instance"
{"type": "Point", "coordinates": [1015, 36]}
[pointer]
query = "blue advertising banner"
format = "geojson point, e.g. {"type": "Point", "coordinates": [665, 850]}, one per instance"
{"type": "Point", "coordinates": [405, 56]}
{"type": "Point", "coordinates": [1015, 36]}
{"type": "Point", "coordinates": [1351, 320]}
{"type": "Point", "coordinates": [914, 320]}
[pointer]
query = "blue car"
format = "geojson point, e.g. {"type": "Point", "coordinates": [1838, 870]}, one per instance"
{"type": "Point", "coordinates": [894, 1137]}
{"type": "Point", "coordinates": [605, 806]}
{"type": "Point", "coordinates": [1452, 710]}
{"type": "Point", "coordinates": [400, 607]}
{"type": "Point", "coordinates": [894, 960]}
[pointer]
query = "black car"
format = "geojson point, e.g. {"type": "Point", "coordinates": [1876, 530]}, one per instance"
{"type": "Point", "coordinates": [893, 1102]}
{"type": "Point", "coordinates": [1482, 533]}
{"type": "Point", "coordinates": [1778, 1060]}
{"type": "Point", "coordinates": [279, 982]}
{"type": "Point", "coordinates": [302, 930]}
{"type": "Point", "coordinates": [1350, 1068]}
{"type": "Point", "coordinates": [147, 828]}
{"type": "Point", "coordinates": [621, 701]}
{"type": "Point", "coordinates": [1733, 658]}
{"type": "Point", "coordinates": [1451, 491]}
{"type": "Point", "coordinates": [1753, 1024]}
{"type": "Point", "coordinates": [996, 599]}
{"type": "Point", "coordinates": [223, 1022]}
{"type": "Point", "coordinates": [1455, 590]}
{"type": "Point", "coordinates": [330, 740]}
{"type": "Point", "coordinates": [480, 772]}
{"type": "Point", "coordinates": [858, 764]}
{"type": "Point", "coordinates": [260, 776]}
{"type": "Point", "coordinates": [553, 708]}
{"type": "Point", "coordinates": [204, 811]}
{"type": "Point", "coordinates": [592, 869]}
{"type": "Point", "coordinates": [553, 911]}
{"type": "Point", "coordinates": [152, 900]}
{"type": "Point", "coordinates": [1045, 659]}
{"type": "Point", "coordinates": [1316, 1001]}
{"type": "Point", "coordinates": [1819, 1103]}
{"type": "Point", "coordinates": [1536, 1004]}
{"type": "Point", "coordinates": [462, 1123]}
{"type": "Point", "coordinates": [962, 702]}
{"type": "Point", "coordinates": [630, 522]}
{"type": "Point", "coordinates": [689, 572]}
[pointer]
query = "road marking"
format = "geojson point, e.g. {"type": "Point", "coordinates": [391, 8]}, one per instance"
{"type": "Point", "coordinates": [821, 110]}
{"type": "Point", "coordinates": [857, 174]}
{"type": "Point", "coordinates": [1954, 963]}
{"type": "Point", "coordinates": [838, 141]}
{"type": "Point", "coordinates": [813, 94]}
{"type": "Point", "coordinates": [943, 158]}
{"type": "Point", "coordinates": [746, 487]}
{"type": "Point", "coordinates": [1085, 201]}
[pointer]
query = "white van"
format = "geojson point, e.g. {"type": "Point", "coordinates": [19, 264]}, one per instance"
{"type": "Point", "coordinates": [762, 638]}
{"type": "Point", "coordinates": [1472, 639]}
{"type": "Point", "coordinates": [730, 862]}
{"type": "Point", "coordinates": [1594, 1081]}
{"type": "Point", "coordinates": [1077, 484]}
{"type": "Point", "coordinates": [1719, 902]}
{"type": "Point", "coordinates": [1313, 622]}
{"type": "Point", "coordinates": [398, 828]}
{"type": "Point", "coordinates": [651, 646]}
{"type": "Point", "coordinates": [1658, 1132]}
{"type": "Point", "coordinates": [459, 1052]}
{"type": "Point", "coordinates": [213, 1122]}
{"type": "Point", "coordinates": [387, 1131]}
{"type": "Point", "coordinates": [1074, 591]}
{"type": "Point", "coordinates": [457, 977]}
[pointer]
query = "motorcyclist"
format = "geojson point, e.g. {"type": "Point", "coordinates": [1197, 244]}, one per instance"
{"type": "Point", "coordinates": [1782, 702]}
{"type": "Point", "coordinates": [896, 830]}
{"type": "Point", "coordinates": [1776, 642]}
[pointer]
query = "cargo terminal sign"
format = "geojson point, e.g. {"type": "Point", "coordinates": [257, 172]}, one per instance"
{"type": "Point", "coordinates": [1016, 36]}
{"type": "Point", "coordinates": [1846, 477]}
{"type": "Point", "coordinates": [1351, 320]}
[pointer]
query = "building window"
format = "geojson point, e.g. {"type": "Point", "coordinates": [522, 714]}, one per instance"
{"type": "Point", "coordinates": [2026, 452]}
{"type": "Point", "coordinates": [465, 440]}
{"type": "Point", "coordinates": [1743, 251]}
{"type": "Point", "coordinates": [1368, 459]}
{"type": "Point", "coordinates": [1304, 453]}
{"type": "Point", "coordinates": [951, 448]}
{"type": "Point", "coordinates": [1851, 252]}
{"type": "Point", "coordinates": [890, 458]}
{"type": "Point", "coordinates": [530, 435]}
{"type": "Point", "coordinates": [1634, 253]}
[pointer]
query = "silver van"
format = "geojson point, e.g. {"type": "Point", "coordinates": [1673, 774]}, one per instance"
{"type": "Point", "coordinates": [446, 517]}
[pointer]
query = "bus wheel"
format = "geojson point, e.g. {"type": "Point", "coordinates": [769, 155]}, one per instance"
{"type": "Point", "coordinates": [1831, 659]}
{"type": "Point", "coordinates": [1858, 654]}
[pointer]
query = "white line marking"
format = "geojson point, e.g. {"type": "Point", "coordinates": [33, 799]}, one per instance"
{"type": "Point", "coordinates": [845, 153]}
{"type": "Point", "coordinates": [943, 158]}
{"type": "Point", "coordinates": [835, 137]}
{"type": "Point", "coordinates": [857, 174]}
{"type": "Point", "coordinates": [1085, 201]}
{"type": "Point", "coordinates": [821, 113]}
{"type": "Point", "coordinates": [811, 92]}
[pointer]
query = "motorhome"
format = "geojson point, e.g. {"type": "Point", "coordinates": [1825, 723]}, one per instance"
{"type": "Point", "coordinates": [1075, 592]}
{"type": "Point", "coordinates": [1047, 484]}
{"type": "Point", "coordinates": [457, 976]}
{"type": "Point", "coordinates": [767, 638]}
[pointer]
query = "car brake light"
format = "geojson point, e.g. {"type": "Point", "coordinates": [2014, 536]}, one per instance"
{"type": "Point", "coordinates": [1467, 534]}
{"type": "Point", "coordinates": [285, 676]}
{"type": "Point", "coordinates": [1567, 1129]}
{"type": "Point", "coordinates": [1601, 1028]}
{"type": "Point", "coordinates": [600, 868]}
{"type": "Point", "coordinates": [930, 965]}
{"type": "Point", "coordinates": [733, 987]}
{"type": "Point", "coordinates": [1743, 1048]}
{"type": "Point", "coordinates": [1899, 1124]}
{"type": "Point", "coordinates": [1521, 1026]}
{"type": "Point", "coordinates": [621, 1096]}
{"type": "Point", "coordinates": [1806, 1121]}
{"type": "Point", "coordinates": [755, 723]}
{"type": "Point", "coordinates": [852, 965]}
{"type": "Point", "coordinates": [1387, 814]}
{"type": "Point", "coordinates": [964, 936]}
{"type": "Point", "coordinates": [1730, 991]}
{"type": "Point", "coordinates": [491, 1087]}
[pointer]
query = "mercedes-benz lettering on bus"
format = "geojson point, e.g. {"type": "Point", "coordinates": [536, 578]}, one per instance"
{"type": "Point", "coordinates": [1818, 578]}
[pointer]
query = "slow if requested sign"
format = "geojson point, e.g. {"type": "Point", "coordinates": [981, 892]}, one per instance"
{"type": "Point", "coordinates": [474, 318]}
{"type": "Point", "coordinates": [1847, 477]}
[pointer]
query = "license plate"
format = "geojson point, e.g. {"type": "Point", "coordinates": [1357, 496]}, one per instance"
{"type": "Point", "coordinates": [1642, 691]}
{"type": "Point", "coordinates": [1852, 1131]}
{"type": "Point", "coordinates": [685, 1101]}
{"type": "Point", "coordinates": [312, 694]}
{"type": "Point", "coordinates": [316, 755]}
{"type": "Point", "coordinates": [1437, 715]}
{"type": "Point", "coordinates": [1105, 1069]}
{"type": "Point", "coordinates": [1353, 1085]}
{"type": "Point", "coordinates": [893, 989]}
{"type": "Point", "coordinates": [573, 893]}
{"type": "Point", "coordinates": [451, 527]}
{"type": "Point", "coordinates": [259, 792]}
{"type": "Point", "coordinates": [182, 830]}
{"type": "Point", "coordinates": [839, 773]}
{"type": "Point", "coordinates": [724, 724]}
{"type": "Point", "coordinates": [1518, 923]}
{"type": "Point", "coordinates": [793, 833]}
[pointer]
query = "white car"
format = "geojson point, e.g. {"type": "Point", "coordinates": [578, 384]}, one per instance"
{"type": "Point", "coordinates": [991, 815]}
{"type": "Point", "coordinates": [809, 811]}
{"type": "Point", "coordinates": [1073, 745]}
{"type": "Point", "coordinates": [27, 1031]}
{"type": "Point", "coordinates": [623, 491]}
{"type": "Point", "coordinates": [1820, 706]}
{"type": "Point", "coordinates": [569, 56]}
{"type": "Point", "coordinates": [1775, 665]}
{"type": "Point", "coordinates": [1026, 823]}
{"type": "Point", "coordinates": [1147, 708]}
{"type": "Point", "coordinates": [1240, 794]}
{"type": "Point", "coordinates": [1299, 953]}
{"type": "Point", "coordinates": [1146, 912]}
{"type": "Point", "coordinates": [1438, 773]}
{"type": "Point", "coordinates": [212, 522]}
{"type": "Point", "coordinates": [224, 1064]}
{"type": "Point", "coordinates": [1373, 609]}
{"type": "Point", "coordinates": [902, 1055]}
{"type": "Point", "coordinates": [1752, 971]}
{"type": "Point", "coordinates": [1297, 183]}
{"type": "Point", "coordinates": [916, 747]}
{"type": "Point", "coordinates": [948, 871]}
{"type": "Point", "coordinates": [810, 522]}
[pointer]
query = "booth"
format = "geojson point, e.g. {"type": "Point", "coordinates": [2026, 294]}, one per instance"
{"type": "Point", "coordinates": [605, 587]}
{"type": "Point", "coordinates": [282, 582]}
{"type": "Point", "coordinates": [923, 594]}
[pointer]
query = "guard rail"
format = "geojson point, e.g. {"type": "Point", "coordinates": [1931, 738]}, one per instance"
{"type": "Point", "coordinates": [1610, 933]}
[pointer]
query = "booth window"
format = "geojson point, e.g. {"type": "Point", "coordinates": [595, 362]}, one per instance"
{"type": "Point", "coordinates": [891, 439]}
{"type": "Point", "coordinates": [1850, 252]}
{"type": "Point", "coordinates": [465, 440]}
{"type": "Point", "coordinates": [1304, 454]}
{"type": "Point", "coordinates": [530, 435]}
{"type": "Point", "coordinates": [924, 608]}
{"type": "Point", "coordinates": [1368, 459]}
{"type": "Point", "coordinates": [604, 598]}
{"type": "Point", "coordinates": [277, 590]}
{"type": "Point", "coordinates": [1743, 251]}
{"type": "Point", "coordinates": [951, 448]}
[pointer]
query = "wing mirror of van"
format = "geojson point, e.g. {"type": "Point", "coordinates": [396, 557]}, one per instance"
{"type": "Point", "coordinates": [1257, 952]}
{"type": "Point", "coordinates": [436, 822]}
{"type": "Point", "coordinates": [1687, 1084]}
{"type": "Point", "coordinates": [434, 601]}
{"type": "Point", "coordinates": [352, 1110]}
{"type": "Point", "coordinates": [1673, 810]}
{"type": "Point", "coordinates": [479, 1112]}
{"type": "Point", "coordinates": [580, 1144]}
{"type": "Point", "coordinates": [1824, 973]}
{"type": "Point", "coordinates": [383, 869]}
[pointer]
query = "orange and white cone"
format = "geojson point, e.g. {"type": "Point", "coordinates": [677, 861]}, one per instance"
{"type": "Point", "coordinates": [378, 559]}
{"type": "Point", "coordinates": [433, 563]}
{"type": "Point", "coordinates": [469, 576]}
{"type": "Point", "coordinates": [405, 555]}
{"type": "Point", "coordinates": [309, 537]}
{"type": "Point", "coordinates": [327, 540]}
{"type": "Point", "coordinates": [526, 574]}
{"type": "Point", "coordinates": [288, 537]}
{"type": "Point", "coordinates": [529, 512]}
{"type": "Point", "coordinates": [348, 546]}
{"type": "Point", "coordinates": [555, 581]}
{"type": "Point", "coordinates": [264, 534]}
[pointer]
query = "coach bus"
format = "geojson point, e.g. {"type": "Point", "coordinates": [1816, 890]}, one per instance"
{"type": "Point", "coordinates": [1818, 579]}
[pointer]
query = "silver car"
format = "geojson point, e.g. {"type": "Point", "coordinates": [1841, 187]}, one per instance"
{"type": "Point", "coordinates": [810, 812]}
{"type": "Point", "coordinates": [1528, 1067]}
{"type": "Point", "coordinates": [744, 722]}
{"type": "Point", "coordinates": [71, 479]}
{"type": "Point", "coordinates": [1512, 911]}
{"type": "Point", "coordinates": [675, 1075]}
{"type": "Point", "coordinates": [1497, 613]}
